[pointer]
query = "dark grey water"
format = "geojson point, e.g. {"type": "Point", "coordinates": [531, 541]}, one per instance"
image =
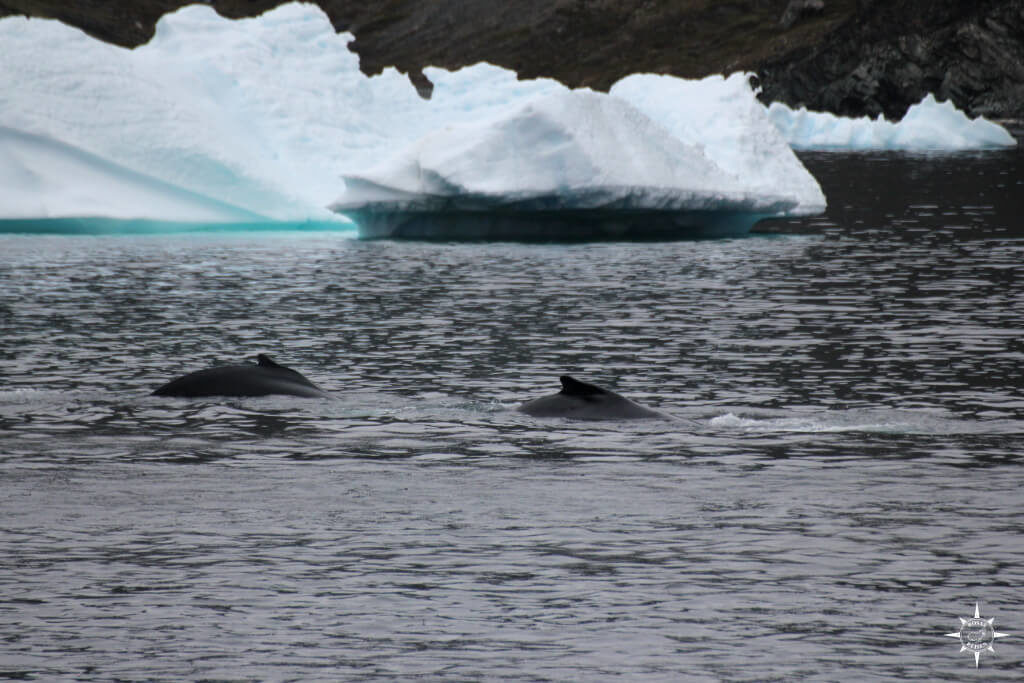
{"type": "Point", "coordinates": [841, 485]}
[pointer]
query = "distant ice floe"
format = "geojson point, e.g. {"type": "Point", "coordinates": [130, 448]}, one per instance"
{"type": "Point", "coordinates": [222, 120]}
{"type": "Point", "coordinates": [927, 126]}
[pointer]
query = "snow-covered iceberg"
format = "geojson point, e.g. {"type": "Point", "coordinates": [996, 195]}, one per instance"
{"type": "Point", "coordinates": [260, 119]}
{"type": "Point", "coordinates": [927, 126]}
{"type": "Point", "coordinates": [722, 117]}
{"type": "Point", "coordinates": [44, 178]}
{"type": "Point", "coordinates": [220, 120]}
{"type": "Point", "coordinates": [571, 164]}
{"type": "Point", "coordinates": [259, 116]}
{"type": "Point", "coordinates": [231, 111]}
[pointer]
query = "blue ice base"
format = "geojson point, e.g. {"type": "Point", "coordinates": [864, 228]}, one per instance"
{"type": "Point", "coordinates": [132, 226]}
{"type": "Point", "coordinates": [555, 226]}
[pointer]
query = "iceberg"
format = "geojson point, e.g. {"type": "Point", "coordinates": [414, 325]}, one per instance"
{"type": "Point", "coordinates": [926, 127]}
{"type": "Point", "coordinates": [45, 178]}
{"type": "Point", "coordinates": [567, 165]}
{"type": "Point", "coordinates": [263, 119]}
{"type": "Point", "coordinates": [723, 117]}
{"type": "Point", "coordinates": [258, 114]}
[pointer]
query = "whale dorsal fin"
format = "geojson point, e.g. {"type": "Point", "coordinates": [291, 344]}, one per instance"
{"type": "Point", "coordinates": [572, 387]}
{"type": "Point", "coordinates": [266, 361]}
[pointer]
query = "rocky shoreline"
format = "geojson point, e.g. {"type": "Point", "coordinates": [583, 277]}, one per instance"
{"type": "Point", "coordinates": [850, 57]}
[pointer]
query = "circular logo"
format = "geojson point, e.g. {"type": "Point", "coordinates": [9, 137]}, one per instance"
{"type": "Point", "coordinates": [977, 634]}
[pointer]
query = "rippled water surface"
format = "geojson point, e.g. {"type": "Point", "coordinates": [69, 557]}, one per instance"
{"type": "Point", "coordinates": [841, 483]}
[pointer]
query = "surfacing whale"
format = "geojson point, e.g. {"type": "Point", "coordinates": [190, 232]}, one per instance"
{"type": "Point", "coordinates": [266, 378]}
{"type": "Point", "coordinates": [581, 401]}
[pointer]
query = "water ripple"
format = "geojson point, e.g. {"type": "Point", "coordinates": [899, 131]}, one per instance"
{"type": "Point", "coordinates": [839, 484]}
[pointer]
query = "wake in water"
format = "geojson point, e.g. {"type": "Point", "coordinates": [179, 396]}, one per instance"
{"type": "Point", "coordinates": [872, 420]}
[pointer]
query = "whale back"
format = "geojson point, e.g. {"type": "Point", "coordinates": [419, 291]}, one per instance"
{"type": "Point", "coordinates": [265, 378]}
{"type": "Point", "coordinates": [582, 401]}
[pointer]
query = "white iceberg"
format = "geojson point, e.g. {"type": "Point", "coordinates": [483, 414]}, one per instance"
{"type": "Point", "coordinates": [723, 117]}
{"type": "Point", "coordinates": [260, 114]}
{"type": "Point", "coordinates": [927, 126]}
{"type": "Point", "coordinates": [260, 119]}
{"type": "Point", "coordinates": [572, 164]}
{"type": "Point", "coordinates": [221, 120]}
{"type": "Point", "coordinates": [45, 178]}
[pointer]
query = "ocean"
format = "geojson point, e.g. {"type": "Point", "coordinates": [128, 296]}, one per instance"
{"type": "Point", "coordinates": [840, 486]}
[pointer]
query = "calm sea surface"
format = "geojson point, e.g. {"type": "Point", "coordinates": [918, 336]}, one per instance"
{"type": "Point", "coordinates": [842, 484]}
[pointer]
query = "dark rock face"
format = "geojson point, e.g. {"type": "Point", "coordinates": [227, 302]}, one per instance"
{"type": "Point", "coordinates": [850, 57]}
{"type": "Point", "coordinates": [797, 9]}
{"type": "Point", "coordinates": [894, 52]}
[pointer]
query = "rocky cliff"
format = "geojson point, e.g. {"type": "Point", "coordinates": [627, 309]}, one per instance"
{"type": "Point", "coordinates": [850, 57]}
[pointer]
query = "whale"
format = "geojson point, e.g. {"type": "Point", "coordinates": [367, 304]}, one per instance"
{"type": "Point", "coordinates": [582, 401]}
{"type": "Point", "coordinates": [265, 378]}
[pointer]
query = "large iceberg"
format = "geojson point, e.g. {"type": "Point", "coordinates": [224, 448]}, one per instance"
{"type": "Point", "coordinates": [572, 164]}
{"type": "Point", "coordinates": [236, 112]}
{"type": "Point", "coordinates": [44, 178]}
{"type": "Point", "coordinates": [259, 116]}
{"type": "Point", "coordinates": [927, 126]}
{"type": "Point", "coordinates": [218, 120]}
{"type": "Point", "coordinates": [722, 117]}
